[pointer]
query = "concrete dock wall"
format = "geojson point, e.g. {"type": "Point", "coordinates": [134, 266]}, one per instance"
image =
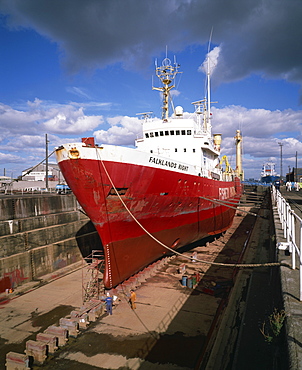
{"type": "Point", "coordinates": [38, 235]}
{"type": "Point", "coordinates": [35, 205]}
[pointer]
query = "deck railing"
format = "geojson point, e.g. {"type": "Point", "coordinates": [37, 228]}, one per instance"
{"type": "Point", "coordinates": [292, 229]}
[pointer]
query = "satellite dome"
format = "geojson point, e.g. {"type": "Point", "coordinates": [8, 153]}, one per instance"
{"type": "Point", "coordinates": [179, 111]}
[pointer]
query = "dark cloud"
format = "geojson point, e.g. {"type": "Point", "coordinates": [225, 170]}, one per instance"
{"type": "Point", "coordinates": [262, 36]}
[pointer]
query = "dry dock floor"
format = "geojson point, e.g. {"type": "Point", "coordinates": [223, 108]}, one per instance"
{"type": "Point", "coordinates": [172, 327]}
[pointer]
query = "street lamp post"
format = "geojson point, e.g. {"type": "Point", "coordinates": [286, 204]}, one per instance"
{"type": "Point", "coordinates": [46, 177]}
{"type": "Point", "coordinates": [281, 145]}
{"type": "Point", "coordinates": [296, 173]}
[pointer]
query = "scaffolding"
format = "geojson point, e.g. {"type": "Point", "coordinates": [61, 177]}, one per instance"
{"type": "Point", "coordinates": [92, 276]}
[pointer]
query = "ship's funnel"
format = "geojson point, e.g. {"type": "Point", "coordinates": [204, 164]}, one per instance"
{"type": "Point", "coordinates": [238, 142]}
{"type": "Point", "coordinates": [217, 141]}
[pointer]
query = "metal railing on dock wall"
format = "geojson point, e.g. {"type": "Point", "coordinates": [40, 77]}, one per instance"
{"type": "Point", "coordinates": [292, 228]}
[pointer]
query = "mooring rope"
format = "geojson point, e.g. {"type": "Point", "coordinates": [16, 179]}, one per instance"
{"type": "Point", "coordinates": [227, 204]}
{"type": "Point", "coordinates": [238, 265]}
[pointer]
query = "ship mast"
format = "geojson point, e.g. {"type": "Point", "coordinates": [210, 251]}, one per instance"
{"type": "Point", "coordinates": [208, 93]}
{"type": "Point", "coordinates": [166, 73]}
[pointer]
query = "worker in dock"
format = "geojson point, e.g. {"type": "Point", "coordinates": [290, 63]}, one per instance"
{"type": "Point", "coordinates": [132, 299]}
{"type": "Point", "coordinates": [108, 301]}
{"type": "Point", "coordinates": [288, 186]}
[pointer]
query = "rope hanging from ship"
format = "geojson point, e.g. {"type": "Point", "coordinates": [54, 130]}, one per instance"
{"type": "Point", "coordinates": [237, 265]}
{"type": "Point", "coordinates": [228, 204]}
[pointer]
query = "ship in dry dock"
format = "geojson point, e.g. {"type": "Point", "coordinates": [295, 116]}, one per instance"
{"type": "Point", "coordinates": [168, 191]}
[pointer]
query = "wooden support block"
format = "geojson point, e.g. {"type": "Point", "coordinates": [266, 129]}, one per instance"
{"type": "Point", "coordinates": [71, 325]}
{"type": "Point", "coordinates": [58, 332]}
{"type": "Point", "coordinates": [17, 361]}
{"type": "Point", "coordinates": [37, 350]}
{"type": "Point", "coordinates": [49, 339]}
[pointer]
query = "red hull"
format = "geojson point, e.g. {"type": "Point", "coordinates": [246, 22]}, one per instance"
{"type": "Point", "coordinates": [166, 203]}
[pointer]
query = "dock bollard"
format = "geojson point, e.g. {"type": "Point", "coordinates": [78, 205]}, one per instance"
{"type": "Point", "coordinates": [71, 326]}
{"type": "Point", "coordinates": [58, 332]}
{"type": "Point", "coordinates": [37, 350]}
{"type": "Point", "coordinates": [50, 340]}
{"type": "Point", "coordinates": [17, 361]}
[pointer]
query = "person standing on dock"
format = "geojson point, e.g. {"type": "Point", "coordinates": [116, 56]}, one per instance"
{"type": "Point", "coordinates": [288, 186]}
{"type": "Point", "coordinates": [297, 186]}
{"type": "Point", "coordinates": [132, 299]}
{"type": "Point", "coordinates": [108, 302]}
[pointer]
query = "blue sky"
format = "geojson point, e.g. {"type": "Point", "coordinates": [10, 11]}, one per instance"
{"type": "Point", "coordinates": [78, 68]}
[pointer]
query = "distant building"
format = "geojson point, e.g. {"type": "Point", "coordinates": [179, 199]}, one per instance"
{"type": "Point", "coordinates": [39, 173]}
{"type": "Point", "coordinates": [294, 175]}
{"type": "Point", "coordinates": [5, 180]}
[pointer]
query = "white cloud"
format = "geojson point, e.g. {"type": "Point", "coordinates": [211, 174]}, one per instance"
{"type": "Point", "coordinates": [123, 131]}
{"type": "Point", "coordinates": [23, 132]}
{"type": "Point", "coordinates": [10, 158]}
{"type": "Point", "coordinates": [210, 61]}
{"type": "Point", "coordinates": [82, 93]}
{"type": "Point", "coordinates": [256, 123]}
{"type": "Point", "coordinates": [47, 118]}
{"type": "Point", "coordinates": [74, 122]}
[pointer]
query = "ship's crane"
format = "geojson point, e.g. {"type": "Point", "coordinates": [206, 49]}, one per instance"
{"type": "Point", "coordinates": [228, 169]}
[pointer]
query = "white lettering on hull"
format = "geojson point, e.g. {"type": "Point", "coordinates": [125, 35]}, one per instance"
{"type": "Point", "coordinates": [226, 193]}
{"type": "Point", "coordinates": [165, 163]}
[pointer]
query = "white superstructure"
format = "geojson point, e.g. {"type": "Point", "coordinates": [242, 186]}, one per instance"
{"type": "Point", "coordinates": [185, 138]}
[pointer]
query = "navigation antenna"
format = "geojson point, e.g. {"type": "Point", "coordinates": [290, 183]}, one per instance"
{"type": "Point", "coordinates": [166, 73]}
{"type": "Point", "coordinates": [207, 99]}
